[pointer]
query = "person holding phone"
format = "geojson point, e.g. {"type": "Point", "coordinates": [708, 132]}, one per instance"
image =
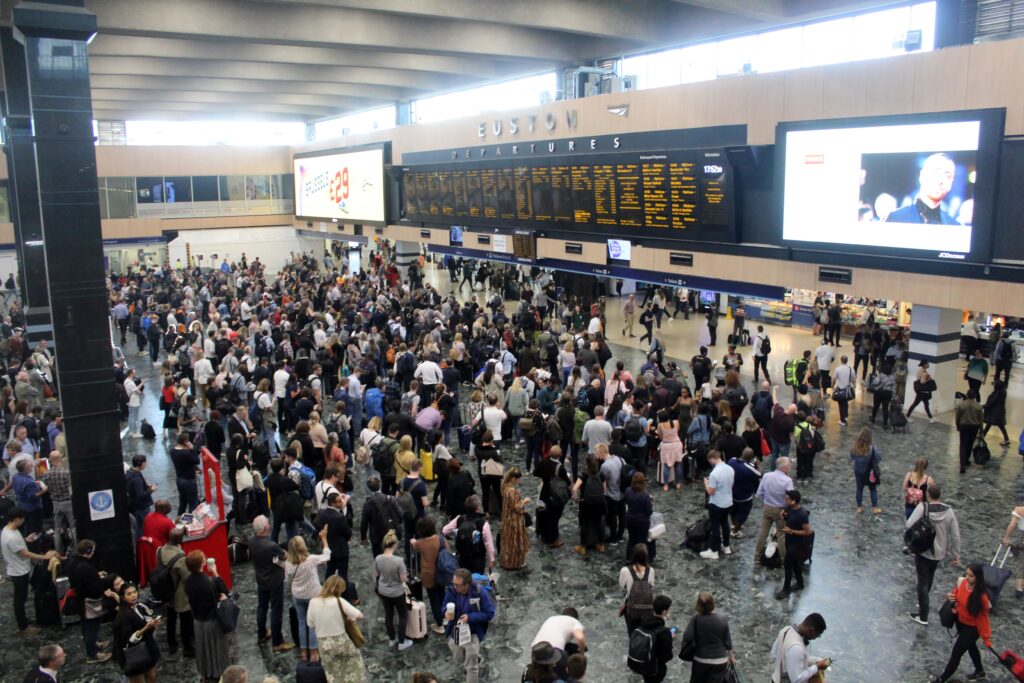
{"type": "Point", "coordinates": [793, 662]}
{"type": "Point", "coordinates": [133, 624]}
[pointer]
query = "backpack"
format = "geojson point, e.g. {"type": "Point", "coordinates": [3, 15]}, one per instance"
{"type": "Point", "coordinates": [147, 431]}
{"type": "Point", "coordinates": [388, 515]}
{"type": "Point", "coordinates": [407, 403]}
{"type": "Point", "coordinates": [632, 429]}
{"type": "Point", "coordinates": [551, 349]}
{"type": "Point", "coordinates": [161, 580]}
{"type": "Point", "coordinates": [469, 539]}
{"type": "Point", "coordinates": [874, 382]}
{"type": "Point", "coordinates": [553, 431]}
{"type": "Point", "coordinates": [921, 537]}
{"type": "Point", "coordinates": [1006, 351]}
{"type": "Point", "coordinates": [582, 402]}
{"type": "Point", "coordinates": [184, 358]}
{"type": "Point", "coordinates": [805, 442]}
{"type": "Point", "coordinates": [640, 601]}
{"type": "Point", "coordinates": [380, 455]}
{"type": "Point", "coordinates": [579, 419]}
{"type": "Point", "coordinates": [593, 490]}
{"type": "Point", "coordinates": [406, 504]}
{"type": "Point", "coordinates": [307, 482]}
{"type": "Point", "coordinates": [625, 474]}
{"type": "Point", "coordinates": [761, 406]}
{"type": "Point", "coordinates": [766, 345]}
{"type": "Point", "coordinates": [699, 432]}
{"type": "Point", "coordinates": [790, 372]}
{"type": "Point", "coordinates": [263, 347]}
{"type": "Point", "coordinates": [255, 412]}
{"type": "Point", "coordinates": [406, 365]}
{"type": "Point", "coordinates": [446, 565]}
{"type": "Point", "coordinates": [559, 490]}
{"type": "Point", "coordinates": [641, 652]}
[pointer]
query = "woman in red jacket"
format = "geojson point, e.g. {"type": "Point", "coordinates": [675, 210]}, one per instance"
{"type": "Point", "coordinates": [972, 606]}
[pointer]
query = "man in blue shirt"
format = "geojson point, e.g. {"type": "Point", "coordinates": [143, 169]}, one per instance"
{"type": "Point", "coordinates": [120, 315]}
{"type": "Point", "coordinates": [466, 603]}
{"type": "Point", "coordinates": [772, 492]}
{"type": "Point", "coordinates": [27, 495]}
{"type": "Point", "coordinates": [719, 489]}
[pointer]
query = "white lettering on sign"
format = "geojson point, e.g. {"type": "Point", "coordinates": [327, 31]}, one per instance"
{"type": "Point", "coordinates": [711, 168]}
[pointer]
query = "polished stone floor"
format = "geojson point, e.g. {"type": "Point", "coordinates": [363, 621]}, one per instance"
{"type": "Point", "coordinates": [859, 581]}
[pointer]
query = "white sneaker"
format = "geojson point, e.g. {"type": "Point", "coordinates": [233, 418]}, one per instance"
{"type": "Point", "coordinates": [931, 420]}
{"type": "Point", "coordinates": [392, 643]}
{"type": "Point", "coordinates": [406, 644]}
{"type": "Point", "coordinates": [709, 555]}
{"type": "Point", "coordinates": [726, 550]}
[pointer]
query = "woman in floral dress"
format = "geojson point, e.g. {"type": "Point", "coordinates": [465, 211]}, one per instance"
{"type": "Point", "coordinates": [514, 542]}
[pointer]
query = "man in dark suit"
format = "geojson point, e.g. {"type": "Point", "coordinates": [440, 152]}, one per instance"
{"type": "Point", "coordinates": [239, 424]}
{"type": "Point", "coordinates": [337, 516]}
{"type": "Point", "coordinates": [935, 180]}
{"type": "Point", "coordinates": [51, 659]}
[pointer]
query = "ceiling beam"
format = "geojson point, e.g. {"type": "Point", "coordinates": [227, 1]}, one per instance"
{"type": "Point", "coordinates": [137, 46]}
{"type": "Point", "coordinates": [297, 112]}
{"type": "Point", "coordinates": [158, 96]}
{"type": "Point", "coordinates": [320, 26]}
{"type": "Point", "coordinates": [113, 113]}
{"type": "Point", "coordinates": [758, 10]}
{"type": "Point", "coordinates": [406, 82]}
{"type": "Point", "coordinates": [225, 85]}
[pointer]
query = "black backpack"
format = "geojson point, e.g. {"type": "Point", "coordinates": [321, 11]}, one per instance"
{"type": "Point", "coordinates": [921, 537]}
{"type": "Point", "coordinates": [161, 580]}
{"type": "Point", "coordinates": [593, 490]}
{"type": "Point", "coordinates": [147, 431]}
{"type": "Point", "coordinates": [805, 442]}
{"type": "Point", "coordinates": [388, 515]}
{"type": "Point", "coordinates": [381, 457]}
{"type": "Point", "coordinates": [766, 345]}
{"type": "Point", "coordinates": [406, 365]}
{"type": "Point", "coordinates": [625, 474]}
{"type": "Point", "coordinates": [641, 652]}
{"type": "Point", "coordinates": [632, 429]}
{"type": "Point", "coordinates": [640, 601]}
{"type": "Point", "coordinates": [469, 539]}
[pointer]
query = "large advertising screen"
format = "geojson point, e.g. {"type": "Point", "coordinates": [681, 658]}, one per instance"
{"type": "Point", "coordinates": [676, 194]}
{"type": "Point", "coordinates": [347, 187]}
{"type": "Point", "coordinates": [913, 185]}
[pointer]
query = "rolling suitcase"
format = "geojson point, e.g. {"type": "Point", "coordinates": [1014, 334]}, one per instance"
{"type": "Point", "coordinates": [427, 471]}
{"type": "Point", "coordinates": [309, 672]}
{"type": "Point", "coordinates": [416, 626]}
{"type": "Point", "coordinates": [464, 433]}
{"type": "Point", "coordinates": [1012, 662]}
{"type": "Point", "coordinates": [996, 576]}
{"type": "Point", "coordinates": [68, 602]}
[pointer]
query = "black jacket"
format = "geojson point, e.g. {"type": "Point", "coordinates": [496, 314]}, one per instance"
{"type": "Point", "coordinates": [339, 530]}
{"type": "Point", "coordinates": [662, 643]}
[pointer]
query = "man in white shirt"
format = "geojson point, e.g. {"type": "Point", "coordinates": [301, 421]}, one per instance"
{"type": "Point", "coordinates": [428, 372]}
{"type": "Point", "coordinates": [843, 378]}
{"type": "Point", "coordinates": [492, 416]}
{"type": "Point", "coordinates": [718, 486]}
{"type": "Point", "coordinates": [564, 633]}
{"type": "Point", "coordinates": [245, 312]}
{"type": "Point", "coordinates": [825, 356]}
{"type": "Point", "coordinates": [134, 388]}
{"type": "Point", "coordinates": [203, 370]}
{"type": "Point", "coordinates": [760, 358]}
{"type": "Point", "coordinates": [793, 663]}
{"type": "Point", "coordinates": [325, 487]}
{"type": "Point", "coordinates": [18, 564]}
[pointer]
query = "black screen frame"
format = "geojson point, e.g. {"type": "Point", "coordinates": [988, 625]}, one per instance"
{"type": "Point", "coordinates": [990, 139]}
{"type": "Point", "coordinates": [385, 178]}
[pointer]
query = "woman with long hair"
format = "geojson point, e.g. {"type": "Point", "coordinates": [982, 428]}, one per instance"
{"type": "Point", "coordinates": [592, 507]}
{"type": "Point", "coordinates": [134, 624]}
{"type": "Point", "coordinates": [972, 605]}
{"type": "Point", "coordinates": [638, 568]}
{"type": "Point", "coordinates": [995, 411]}
{"type": "Point", "coordinates": [514, 541]}
{"type": "Point", "coordinates": [391, 575]}
{"type": "Point", "coordinates": [671, 450]}
{"type": "Point", "coordinates": [864, 457]}
{"type": "Point", "coordinates": [326, 616]}
{"type": "Point", "coordinates": [924, 385]}
{"type": "Point", "coordinates": [915, 486]}
{"type": "Point", "coordinates": [302, 576]}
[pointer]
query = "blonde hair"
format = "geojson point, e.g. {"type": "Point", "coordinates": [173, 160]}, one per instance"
{"type": "Point", "coordinates": [314, 417]}
{"type": "Point", "coordinates": [333, 587]}
{"type": "Point", "coordinates": [405, 443]}
{"type": "Point", "coordinates": [297, 551]}
{"type": "Point", "coordinates": [375, 424]}
{"type": "Point", "coordinates": [390, 539]}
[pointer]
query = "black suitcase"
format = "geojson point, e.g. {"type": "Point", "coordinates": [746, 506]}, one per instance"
{"type": "Point", "coordinates": [45, 597]}
{"type": "Point", "coordinates": [293, 624]}
{"type": "Point", "coordinates": [309, 672]}
{"type": "Point", "coordinates": [238, 550]}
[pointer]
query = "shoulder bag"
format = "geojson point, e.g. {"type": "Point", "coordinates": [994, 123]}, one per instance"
{"type": "Point", "coordinates": [689, 649]}
{"type": "Point", "coordinates": [137, 657]}
{"type": "Point", "coordinates": [227, 615]}
{"type": "Point", "coordinates": [355, 634]}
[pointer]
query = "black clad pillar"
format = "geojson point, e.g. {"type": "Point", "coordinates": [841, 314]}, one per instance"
{"type": "Point", "coordinates": [24, 191]}
{"type": "Point", "coordinates": [55, 35]}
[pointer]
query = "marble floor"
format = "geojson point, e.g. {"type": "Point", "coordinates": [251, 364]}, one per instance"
{"type": "Point", "coordinates": [859, 581]}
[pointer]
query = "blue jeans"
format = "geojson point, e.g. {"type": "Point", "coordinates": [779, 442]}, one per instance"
{"type": "Point", "coordinates": [134, 423]}
{"type": "Point", "coordinates": [291, 529]}
{"type": "Point", "coordinates": [269, 438]}
{"type": "Point", "coordinates": [307, 635]}
{"type": "Point", "coordinates": [272, 598]}
{"type": "Point", "coordinates": [861, 482]}
{"type": "Point", "coordinates": [533, 452]}
{"type": "Point", "coordinates": [668, 470]}
{"type": "Point", "coordinates": [779, 450]}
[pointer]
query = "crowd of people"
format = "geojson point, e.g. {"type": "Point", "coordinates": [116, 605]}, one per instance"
{"type": "Point", "coordinates": [323, 392]}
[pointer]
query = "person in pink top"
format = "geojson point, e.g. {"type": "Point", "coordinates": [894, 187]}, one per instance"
{"type": "Point", "coordinates": [671, 450]}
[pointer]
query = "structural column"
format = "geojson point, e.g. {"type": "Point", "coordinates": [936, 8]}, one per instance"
{"type": "Point", "coordinates": [406, 253]}
{"type": "Point", "coordinates": [935, 337]}
{"type": "Point", "coordinates": [55, 35]}
{"type": "Point", "coordinates": [24, 191]}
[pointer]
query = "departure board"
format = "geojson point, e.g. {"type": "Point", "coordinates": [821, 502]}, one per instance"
{"type": "Point", "coordinates": [681, 194]}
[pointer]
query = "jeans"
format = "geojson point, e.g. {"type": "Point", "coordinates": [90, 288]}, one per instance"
{"type": "Point", "coordinates": [393, 607]}
{"type": "Point", "coordinates": [20, 598]}
{"type": "Point", "coordinates": [793, 561]}
{"type": "Point", "coordinates": [307, 635]}
{"type": "Point", "coordinates": [188, 494]}
{"type": "Point", "coordinates": [134, 423]}
{"type": "Point", "coordinates": [468, 657]}
{"type": "Point", "coordinates": [861, 482]}
{"type": "Point", "coordinates": [188, 637]}
{"type": "Point", "coordinates": [140, 517]}
{"type": "Point", "coordinates": [966, 641]}
{"type": "Point", "coordinates": [676, 469]}
{"type": "Point", "coordinates": [154, 351]}
{"type": "Point", "coordinates": [925, 576]}
{"type": "Point", "coordinates": [779, 450]}
{"type": "Point", "coordinates": [63, 515]}
{"type": "Point", "coordinates": [272, 598]}
{"type": "Point", "coordinates": [571, 449]}
{"type": "Point", "coordinates": [719, 527]}
{"type": "Point", "coordinates": [881, 400]}
{"type": "Point", "coordinates": [291, 529]}
{"type": "Point", "coordinates": [616, 515]}
{"type": "Point", "coordinates": [919, 399]}
{"type": "Point", "coordinates": [533, 455]}
{"type": "Point", "coordinates": [435, 596]}
{"type": "Point", "coordinates": [762, 363]}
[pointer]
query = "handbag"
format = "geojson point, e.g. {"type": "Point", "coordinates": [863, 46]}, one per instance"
{"type": "Point", "coordinates": [657, 528]}
{"type": "Point", "coordinates": [689, 649]}
{"type": "Point", "coordinates": [527, 520]}
{"type": "Point", "coordinates": [947, 614]}
{"type": "Point", "coordinates": [227, 615]}
{"type": "Point", "coordinates": [875, 477]}
{"type": "Point", "coordinates": [731, 674]}
{"type": "Point", "coordinates": [137, 657]}
{"type": "Point", "coordinates": [355, 634]}
{"type": "Point", "coordinates": [766, 449]}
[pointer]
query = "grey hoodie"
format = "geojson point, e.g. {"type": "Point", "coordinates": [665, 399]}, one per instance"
{"type": "Point", "coordinates": [947, 530]}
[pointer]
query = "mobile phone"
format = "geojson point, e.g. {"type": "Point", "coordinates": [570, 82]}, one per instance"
{"type": "Point", "coordinates": [674, 630]}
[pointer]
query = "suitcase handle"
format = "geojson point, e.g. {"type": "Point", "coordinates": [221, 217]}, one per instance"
{"type": "Point", "coordinates": [1006, 555]}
